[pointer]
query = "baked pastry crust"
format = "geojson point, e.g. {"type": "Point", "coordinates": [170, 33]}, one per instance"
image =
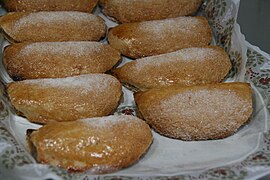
{"type": "Point", "coordinates": [58, 59]}
{"type": "Point", "coordinates": [50, 5]}
{"type": "Point", "coordinates": [65, 99]}
{"type": "Point", "coordinates": [126, 11]}
{"type": "Point", "coordinates": [99, 145]}
{"type": "Point", "coordinates": [186, 67]}
{"type": "Point", "coordinates": [55, 26]}
{"type": "Point", "coordinates": [149, 38]}
{"type": "Point", "coordinates": [212, 111]}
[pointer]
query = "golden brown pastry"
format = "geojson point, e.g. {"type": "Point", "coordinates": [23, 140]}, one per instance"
{"type": "Point", "coordinates": [50, 5]}
{"type": "Point", "coordinates": [186, 67]}
{"type": "Point", "coordinates": [52, 26]}
{"type": "Point", "coordinates": [99, 145]}
{"type": "Point", "coordinates": [65, 99]}
{"type": "Point", "coordinates": [149, 38]}
{"type": "Point", "coordinates": [58, 59]}
{"type": "Point", "coordinates": [211, 111]}
{"type": "Point", "coordinates": [126, 11]}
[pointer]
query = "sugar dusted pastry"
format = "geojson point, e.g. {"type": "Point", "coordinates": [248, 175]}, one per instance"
{"type": "Point", "coordinates": [99, 145]}
{"type": "Point", "coordinates": [186, 67]}
{"type": "Point", "coordinates": [197, 113]}
{"type": "Point", "coordinates": [50, 5]}
{"type": "Point", "coordinates": [58, 59]}
{"type": "Point", "coordinates": [150, 38]}
{"type": "Point", "coordinates": [126, 11]}
{"type": "Point", "coordinates": [65, 99]}
{"type": "Point", "coordinates": [52, 26]}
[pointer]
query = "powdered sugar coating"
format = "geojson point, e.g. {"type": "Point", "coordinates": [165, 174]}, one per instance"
{"type": "Point", "coordinates": [159, 27]}
{"type": "Point", "coordinates": [70, 17]}
{"type": "Point", "coordinates": [50, 5]}
{"type": "Point", "coordinates": [95, 145]}
{"type": "Point", "coordinates": [66, 99]}
{"type": "Point", "coordinates": [156, 37]}
{"type": "Point", "coordinates": [188, 54]}
{"type": "Point", "coordinates": [53, 26]}
{"type": "Point", "coordinates": [86, 83]}
{"type": "Point", "coordinates": [186, 67]}
{"type": "Point", "coordinates": [128, 11]}
{"type": "Point", "coordinates": [75, 49]}
{"type": "Point", "coordinates": [213, 113]}
{"type": "Point", "coordinates": [109, 121]}
{"type": "Point", "coordinates": [205, 104]}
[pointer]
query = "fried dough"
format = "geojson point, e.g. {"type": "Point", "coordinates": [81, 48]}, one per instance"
{"type": "Point", "coordinates": [186, 67]}
{"type": "Point", "coordinates": [65, 99]}
{"type": "Point", "coordinates": [126, 11]}
{"type": "Point", "coordinates": [58, 59]}
{"type": "Point", "coordinates": [99, 145]}
{"type": "Point", "coordinates": [52, 26]}
{"type": "Point", "coordinates": [149, 38]}
{"type": "Point", "coordinates": [50, 5]}
{"type": "Point", "coordinates": [205, 112]}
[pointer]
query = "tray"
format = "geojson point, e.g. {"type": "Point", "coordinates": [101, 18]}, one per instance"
{"type": "Point", "coordinates": [246, 154]}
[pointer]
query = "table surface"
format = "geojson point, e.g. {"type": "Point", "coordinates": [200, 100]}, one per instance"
{"type": "Point", "coordinates": [254, 19]}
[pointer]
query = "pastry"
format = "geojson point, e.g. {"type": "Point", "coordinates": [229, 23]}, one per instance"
{"type": "Point", "coordinates": [212, 111]}
{"type": "Point", "coordinates": [149, 38]}
{"type": "Point", "coordinates": [126, 11]}
{"type": "Point", "coordinates": [50, 5]}
{"type": "Point", "coordinates": [52, 26]}
{"type": "Point", "coordinates": [65, 99]}
{"type": "Point", "coordinates": [186, 67]}
{"type": "Point", "coordinates": [100, 145]}
{"type": "Point", "coordinates": [58, 59]}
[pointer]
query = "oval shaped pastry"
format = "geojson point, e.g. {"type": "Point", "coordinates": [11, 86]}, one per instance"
{"type": "Point", "coordinates": [49, 5]}
{"type": "Point", "coordinates": [58, 59]}
{"type": "Point", "coordinates": [211, 111]}
{"type": "Point", "coordinates": [186, 67]}
{"type": "Point", "coordinates": [52, 26]}
{"type": "Point", "coordinates": [126, 11]}
{"type": "Point", "coordinates": [99, 145]}
{"type": "Point", "coordinates": [65, 99]}
{"type": "Point", "coordinates": [149, 38]}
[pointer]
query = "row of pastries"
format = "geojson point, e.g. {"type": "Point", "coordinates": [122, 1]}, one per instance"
{"type": "Point", "coordinates": [71, 83]}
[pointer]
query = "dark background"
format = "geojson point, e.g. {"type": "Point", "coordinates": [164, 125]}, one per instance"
{"type": "Point", "coordinates": [254, 19]}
